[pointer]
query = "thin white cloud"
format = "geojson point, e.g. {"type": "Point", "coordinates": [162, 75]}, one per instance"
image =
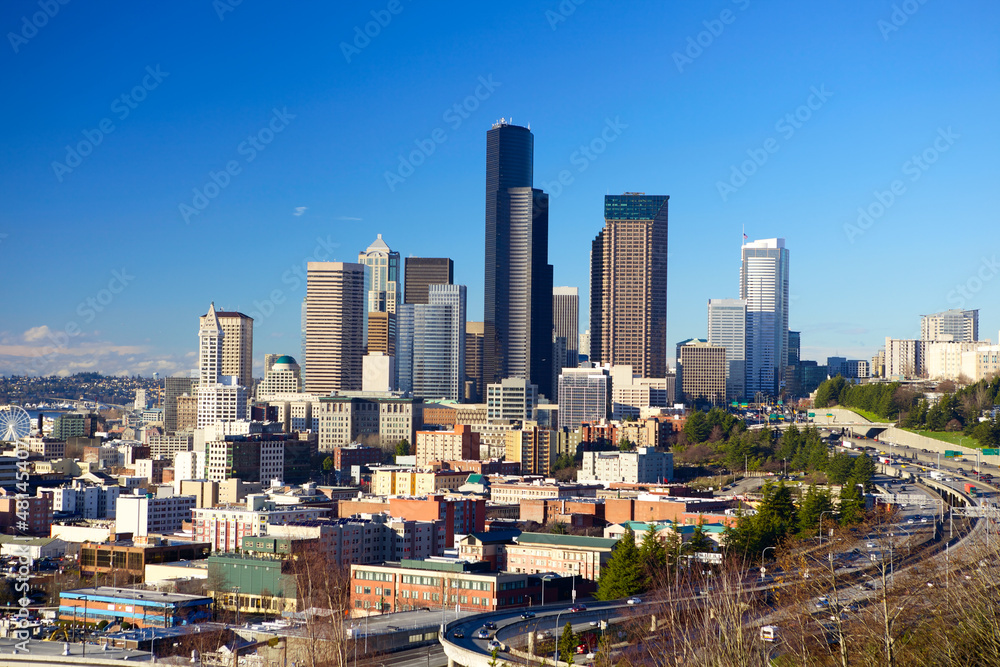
{"type": "Point", "coordinates": [36, 333]}
{"type": "Point", "coordinates": [347, 217]}
{"type": "Point", "coordinates": [299, 210]}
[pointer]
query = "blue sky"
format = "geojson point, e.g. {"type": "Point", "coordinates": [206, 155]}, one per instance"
{"type": "Point", "coordinates": [105, 270]}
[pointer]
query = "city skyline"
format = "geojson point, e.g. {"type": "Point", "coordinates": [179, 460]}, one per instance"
{"type": "Point", "coordinates": [893, 121]}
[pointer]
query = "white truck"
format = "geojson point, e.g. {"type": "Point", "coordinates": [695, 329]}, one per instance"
{"type": "Point", "coordinates": [937, 474]}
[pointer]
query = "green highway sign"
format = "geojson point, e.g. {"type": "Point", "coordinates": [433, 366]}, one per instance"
{"type": "Point", "coordinates": [991, 452]}
{"type": "Point", "coordinates": [812, 414]}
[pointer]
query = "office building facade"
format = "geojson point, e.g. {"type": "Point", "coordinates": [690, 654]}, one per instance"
{"type": "Point", "coordinates": [584, 396]}
{"type": "Point", "coordinates": [566, 324]}
{"type": "Point", "coordinates": [431, 361]}
{"type": "Point", "coordinates": [419, 272]}
{"type": "Point", "coordinates": [628, 283]}
{"type": "Point", "coordinates": [727, 327]}
{"type": "Point", "coordinates": [518, 281]}
{"type": "Point", "coordinates": [764, 286]}
{"type": "Point", "coordinates": [958, 326]}
{"type": "Point", "coordinates": [335, 310]}
{"type": "Point", "coordinates": [702, 368]}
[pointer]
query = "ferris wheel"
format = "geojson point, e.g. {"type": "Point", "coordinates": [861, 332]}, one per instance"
{"type": "Point", "coordinates": [15, 423]}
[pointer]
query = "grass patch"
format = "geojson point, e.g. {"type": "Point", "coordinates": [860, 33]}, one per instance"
{"type": "Point", "coordinates": [954, 438]}
{"type": "Point", "coordinates": [870, 416]}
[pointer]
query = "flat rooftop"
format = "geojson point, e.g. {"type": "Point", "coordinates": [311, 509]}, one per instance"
{"type": "Point", "coordinates": [50, 650]}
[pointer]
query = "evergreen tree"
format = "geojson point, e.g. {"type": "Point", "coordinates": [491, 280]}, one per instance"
{"type": "Point", "coordinates": [653, 557]}
{"type": "Point", "coordinates": [624, 444]}
{"type": "Point", "coordinates": [697, 428]}
{"type": "Point", "coordinates": [403, 448]}
{"type": "Point", "coordinates": [623, 575]}
{"type": "Point", "coordinates": [567, 643]}
{"type": "Point", "coordinates": [863, 471]}
{"type": "Point", "coordinates": [839, 467]}
{"type": "Point", "coordinates": [813, 504]}
{"type": "Point", "coordinates": [699, 542]}
{"type": "Point", "coordinates": [852, 503]}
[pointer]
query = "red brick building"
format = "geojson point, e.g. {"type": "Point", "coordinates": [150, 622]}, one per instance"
{"type": "Point", "coordinates": [461, 515]}
{"type": "Point", "coordinates": [36, 519]}
{"type": "Point", "coordinates": [412, 584]}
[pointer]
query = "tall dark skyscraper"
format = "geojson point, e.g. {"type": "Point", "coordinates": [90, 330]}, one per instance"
{"type": "Point", "coordinates": [628, 284]}
{"type": "Point", "coordinates": [419, 272]}
{"type": "Point", "coordinates": [518, 285]}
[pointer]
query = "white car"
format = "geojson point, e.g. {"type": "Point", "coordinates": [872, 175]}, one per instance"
{"type": "Point", "coordinates": [633, 600]}
{"type": "Point", "coordinates": [494, 645]}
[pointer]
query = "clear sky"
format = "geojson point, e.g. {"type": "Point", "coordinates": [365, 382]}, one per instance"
{"type": "Point", "coordinates": [114, 116]}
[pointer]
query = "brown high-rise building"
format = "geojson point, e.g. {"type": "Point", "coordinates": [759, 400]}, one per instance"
{"type": "Point", "coordinates": [419, 272]}
{"type": "Point", "coordinates": [703, 371]}
{"type": "Point", "coordinates": [475, 382]}
{"type": "Point", "coordinates": [382, 333]}
{"type": "Point", "coordinates": [237, 345]}
{"type": "Point", "coordinates": [628, 283]}
{"type": "Point", "coordinates": [335, 303]}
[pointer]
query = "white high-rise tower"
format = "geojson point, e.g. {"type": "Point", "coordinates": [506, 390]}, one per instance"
{"type": "Point", "coordinates": [764, 287]}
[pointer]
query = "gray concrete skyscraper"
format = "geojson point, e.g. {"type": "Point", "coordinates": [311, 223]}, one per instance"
{"type": "Point", "coordinates": [518, 282]}
{"type": "Point", "coordinates": [431, 350]}
{"type": "Point", "coordinates": [764, 286]}
{"type": "Point", "coordinates": [566, 324]}
{"type": "Point", "coordinates": [727, 327]}
{"type": "Point", "coordinates": [628, 285]}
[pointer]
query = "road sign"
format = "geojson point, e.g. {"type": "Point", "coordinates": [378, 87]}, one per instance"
{"type": "Point", "coordinates": [991, 452]}
{"type": "Point", "coordinates": [812, 414]}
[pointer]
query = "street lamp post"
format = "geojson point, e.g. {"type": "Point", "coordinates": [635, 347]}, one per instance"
{"type": "Point", "coordinates": [821, 524]}
{"type": "Point", "coordinates": [762, 555]}
{"type": "Point", "coordinates": [556, 635]}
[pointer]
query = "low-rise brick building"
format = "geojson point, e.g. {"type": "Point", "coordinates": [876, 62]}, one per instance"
{"type": "Point", "coordinates": [411, 584]}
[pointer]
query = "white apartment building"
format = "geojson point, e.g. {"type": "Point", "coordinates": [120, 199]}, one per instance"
{"type": "Point", "coordinates": [370, 538]}
{"type": "Point", "coordinates": [188, 465]}
{"type": "Point", "coordinates": [225, 527]}
{"type": "Point", "coordinates": [904, 358]}
{"type": "Point", "coordinates": [142, 515]}
{"type": "Point", "coordinates": [944, 359]}
{"type": "Point", "coordinates": [512, 399]}
{"type": "Point", "coordinates": [630, 394]}
{"type": "Point", "coordinates": [643, 466]}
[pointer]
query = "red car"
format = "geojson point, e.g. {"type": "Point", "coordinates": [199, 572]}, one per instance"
{"type": "Point", "coordinates": [578, 607]}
